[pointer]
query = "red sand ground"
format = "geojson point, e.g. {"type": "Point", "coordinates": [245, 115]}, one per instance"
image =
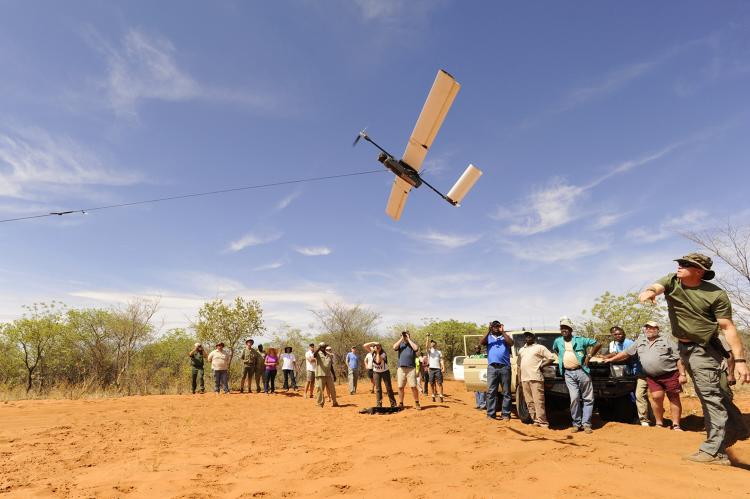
{"type": "Point", "coordinates": [283, 446]}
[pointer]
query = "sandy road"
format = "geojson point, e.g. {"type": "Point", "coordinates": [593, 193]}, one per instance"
{"type": "Point", "coordinates": [283, 446]}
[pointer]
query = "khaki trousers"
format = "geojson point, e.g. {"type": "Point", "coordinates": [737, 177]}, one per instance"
{"type": "Point", "coordinates": [323, 383]}
{"type": "Point", "coordinates": [641, 399]}
{"type": "Point", "coordinates": [533, 394]}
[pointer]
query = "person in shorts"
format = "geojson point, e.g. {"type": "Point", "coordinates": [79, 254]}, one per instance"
{"type": "Point", "coordinates": [665, 374]}
{"type": "Point", "coordinates": [407, 368]}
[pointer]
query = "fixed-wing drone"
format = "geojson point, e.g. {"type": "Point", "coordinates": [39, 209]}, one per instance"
{"type": "Point", "coordinates": [433, 113]}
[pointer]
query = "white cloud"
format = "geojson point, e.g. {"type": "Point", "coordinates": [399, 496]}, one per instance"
{"type": "Point", "coordinates": [689, 220]}
{"type": "Point", "coordinates": [548, 208]}
{"type": "Point", "coordinates": [146, 67]}
{"type": "Point", "coordinates": [268, 266]}
{"type": "Point", "coordinates": [286, 201]}
{"type": "Point", "coordinates": [559, 203]}
{"type": "Point", "coordinates": [35, 165]}
{"type": "Point", "coordinates": [252, 239]}
{"type": "Point", "coordinates": [443, 240]}
{"type": "Point", "coordinates": [605, 220]}
{"type": "Point", "coordinates": [553, 251]}
{"type": "Point", "coordinates": [379, 9]}
{"type": "Point", "coordinates": [314, 251]}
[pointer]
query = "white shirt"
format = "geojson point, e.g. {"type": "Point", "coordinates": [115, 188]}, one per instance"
{"type": "Point", "coordinates": [219, 360]}
{"type": "Point", "coordinates": [309, 361]}
{"type": "Point", "coordinates": [383, 367]}
{"type": "Point", "coordinates": [434, 355]}
{"type": "Point", "coordinates": [368, 361]}
{"type": "Point", "coordinates": [287, 361]}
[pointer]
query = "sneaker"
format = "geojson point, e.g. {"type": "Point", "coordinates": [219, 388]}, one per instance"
{"type": "Point", "coordinates": [587, 429]}
{"type": "Point", "coordinates": [506, 418]}
{"type": "Point", "coordinates": [417, 406]}
{"type": "Point", "coordinates": [575, 429]}
{"type": "Point", "coordinates": [401, 405]}
{"type": "Point", "coordinates": [677, 428]}
{"type": "Point", "coordinates": [646, 424]}
{"type": "Point", "coordinates": [433, 398]}
{"type": "Point", "coordinates": [441, 399]}
{"type": "Point", "coordinates": [706, 458]}
{"type": "Point", "coordinates": [491, 417]}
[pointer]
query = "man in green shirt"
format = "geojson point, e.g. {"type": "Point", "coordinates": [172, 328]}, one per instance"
{"type": "Point", "coordinates": [249, 360]}
{"type": "Point", "coordinates": [197, 355]}
{"type": "Point", "coordinates": [697, 310]}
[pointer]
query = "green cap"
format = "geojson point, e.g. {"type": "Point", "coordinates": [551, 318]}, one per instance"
{"type": "Point", "coordinates": [701, 261]}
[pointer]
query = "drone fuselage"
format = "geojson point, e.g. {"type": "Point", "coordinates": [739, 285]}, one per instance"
{"type": "Point", "coordinates": [401, 169]}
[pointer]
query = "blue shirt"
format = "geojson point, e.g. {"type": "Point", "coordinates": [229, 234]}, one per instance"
{"type": "Point", "coordinates": [352, 360]}
{"type": "Point", "coordinates": [497, 351]}
{"type": "Point", "coordinates": [406, 355]}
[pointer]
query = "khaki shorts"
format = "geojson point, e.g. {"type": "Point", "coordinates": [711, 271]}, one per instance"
{"type": "Point", "coordinates": [310, 375]}
{"type": "Point", "coordinates": [407, 375]}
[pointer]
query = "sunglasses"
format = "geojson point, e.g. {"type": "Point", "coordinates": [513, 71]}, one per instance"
{"type": "Point", "coordinates": [687, 265]}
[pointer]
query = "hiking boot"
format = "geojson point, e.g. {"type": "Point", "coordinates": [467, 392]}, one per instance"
{"type": "Point", "coordinates": [441, 399]}
{"type": "Point", "coordinates": [491, 417]}
{"type": "Point", "coordinates": [706, 458]}
{"type": "Point", "coordinates": [433, 398]}
{"type": "Point", "coordinates": [575, 429]}
{"type": "Point", "coordinates": [587, 429]}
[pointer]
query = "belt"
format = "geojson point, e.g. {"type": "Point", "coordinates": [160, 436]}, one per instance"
{"type": "Point", "coordinates": [498, 364]}
{"type": "Point", "coordinates": [572, 368]}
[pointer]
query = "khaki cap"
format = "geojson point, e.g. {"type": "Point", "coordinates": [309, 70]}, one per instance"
{"type": "Point", "coordinates": [652, 324]}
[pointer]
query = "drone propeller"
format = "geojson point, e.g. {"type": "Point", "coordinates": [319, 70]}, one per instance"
{"type": "Point", "coordinates": [360, 135]}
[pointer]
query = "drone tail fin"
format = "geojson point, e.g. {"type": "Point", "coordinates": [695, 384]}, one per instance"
{"type": "Point", "coordinates": [464, 185]}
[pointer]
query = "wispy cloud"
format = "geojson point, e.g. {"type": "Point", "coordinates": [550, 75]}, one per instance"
{"type": "Point", "coordinates": [286, 201]}
{"type": "Point", "coordinates": [555, 250]}
{"type": "Point", "coordinates": [689, 220]}
{"type": "Point", "coordinates": [268, 266]}
{"type": "Point", "coordinates": [314, 251]}
{"type": "Point", "coordinates": [252, 239]}
{"type": "Point", "coordinates": [36, 165]}
{"type": "Point", "coordinates": [444, 240]}
{"type": "Point", "coordinates": [379, 9]}
{"type": "Point", "coordinates": [559, 203]}
{"type": "Point", "coordinates": [605, 220]}
{"type": "Point", "coordinates": [145, 66]}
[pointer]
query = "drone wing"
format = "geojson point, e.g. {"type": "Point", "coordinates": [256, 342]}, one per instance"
{"type": "Point", "coordinates": [430, 120]}
{"type": "Point", "coordinates": [397, 199]}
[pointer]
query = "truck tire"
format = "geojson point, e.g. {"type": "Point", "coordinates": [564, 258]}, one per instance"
{"type": "Point", "coordinates": [521, 408]}
{"type": "Point", "coordinates": [620, 409]}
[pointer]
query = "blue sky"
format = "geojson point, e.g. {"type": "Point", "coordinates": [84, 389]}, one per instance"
{"type": "Point", "coordinates": [603, 129]}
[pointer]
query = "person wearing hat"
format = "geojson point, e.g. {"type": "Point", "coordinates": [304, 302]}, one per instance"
{"type": "Point", "coordinates": [532, 357]}
{"type": "Point", "coordinates": [249, 358]}
{"type": "Point", "coordinates": [663, 368]}
{"type": "Point", "coordinates": [573, 365]}
{"type": "Point", "coordinates": [197, 355]}
{"type": "Point", "coordinates": [697, 311]}
{"type": "Point", "coordinates": [498, 344]}
{"type": "Point", "coordinates": [219, 360]}
{"type": "Point", "coordinates": [324, 375]}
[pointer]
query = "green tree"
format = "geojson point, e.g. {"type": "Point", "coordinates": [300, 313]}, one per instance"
{"type": "Point", "coordinates": [162, 363]}
{"type": "Point", "coordinates": [229, 323]}
{"type": "Point", "coordinates": [131, 328]}
{"type": "Point", "coordinates": [92, 331]}
{"type": "Point", "coordinates": [621, 310]}
{"type": "Point", "coordinates": [287, 336]}
{"type": "Point", "coordinates": [343, 327]}
{"type": "Point", "coordinates": [35, 334]}
{"type": "Point", "coordinates": [449, 335]}
{"type": "Point", "coordinates": [11, 362]}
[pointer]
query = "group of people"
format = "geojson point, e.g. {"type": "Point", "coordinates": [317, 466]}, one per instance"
{"type": "Point", "coordinates": [707, 347]}
{"type": "Point", "coordinates": [698, 312]}
{"type": "Point", "coordinates": [258, 365]}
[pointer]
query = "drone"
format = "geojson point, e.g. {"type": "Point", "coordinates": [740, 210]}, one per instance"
{"type": "Point", "coordinates": [406, 169]}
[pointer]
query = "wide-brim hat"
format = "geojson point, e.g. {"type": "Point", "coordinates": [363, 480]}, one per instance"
{"type": "Point", "coordinates": [702, 261]}
{"type": "Point", "coordinates": [529, 333]}
{"type": "Point", "coordinates": [220, 344]}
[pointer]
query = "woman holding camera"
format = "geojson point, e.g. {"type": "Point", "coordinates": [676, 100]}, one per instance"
{"type": "Point", "coordinates": [380, 373]}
